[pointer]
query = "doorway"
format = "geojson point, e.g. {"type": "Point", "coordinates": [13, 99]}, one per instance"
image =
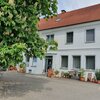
{"type": "Point", "coordinates": [48, 62]}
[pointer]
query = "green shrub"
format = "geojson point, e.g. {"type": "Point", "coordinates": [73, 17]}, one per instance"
{"type": "Point", "coordinates": [97, 73]}
{"type": "Point", "coordinates": [22, 65]}
{"type": "Point", "coordinates": [66, 74]}
{"type": "Point", "coordinates": [56, 72]}
{"type": "Point", "coordinates": [81, 73]}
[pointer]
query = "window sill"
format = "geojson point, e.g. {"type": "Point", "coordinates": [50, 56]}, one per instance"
{"type": "Point", "coordinates": [64, 68]}
{"type": "Point", "coordinates": [76, 68]}
{"type": "Point", "coordinates": [90, 42]}
{"type": "Point", "coordinates": [68, 43]}
{"type": "Point", "coordinates": [33, 66]}
{"type": "Point", "coordinates": [87, 69]}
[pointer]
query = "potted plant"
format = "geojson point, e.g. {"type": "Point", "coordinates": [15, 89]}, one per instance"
{"type": "Point", "coordinates": [66, 74]}
{"type": "Point", "coordinates": [56, 73]}
{"type": "Point", "coordinates": [50, 72]}
{"type": "Point", "coordinates": [62, 74]}
{"type": "Point", "coordinates": [97, 73]}
{"type": "Point", "coordinates": [81, 75]}
{"type": "Point", "coordinates": [22, 67]}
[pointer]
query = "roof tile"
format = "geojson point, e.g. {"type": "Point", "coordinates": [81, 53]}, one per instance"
{"type": "Point", "coordinates": [83, 15]}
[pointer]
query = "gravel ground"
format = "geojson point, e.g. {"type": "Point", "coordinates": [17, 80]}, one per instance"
{"type": "Point", "coordinates": [16, 86]}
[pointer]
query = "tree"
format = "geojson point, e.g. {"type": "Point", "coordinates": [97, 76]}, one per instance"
{"type": "Point", "coordinates": [19, 30]}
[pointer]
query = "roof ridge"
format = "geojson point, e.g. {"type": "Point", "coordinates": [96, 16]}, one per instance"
{"type": "Point", "coordinates": [79, 16]}
{"type": "Point", "coordinates": [88, 7]}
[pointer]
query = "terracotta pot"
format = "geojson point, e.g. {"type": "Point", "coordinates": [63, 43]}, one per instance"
{"type": "Point", "coordinates": [50, 72]}
{"type": "Point", "coordinates": [81, 79]}
{"type": "Point", "coordinates": [98, 81]}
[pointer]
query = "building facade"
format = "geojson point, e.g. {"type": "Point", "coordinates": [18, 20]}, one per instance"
{"type": "Point", "coordinates": [78, 36]}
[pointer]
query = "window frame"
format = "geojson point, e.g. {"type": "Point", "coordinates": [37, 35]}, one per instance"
{"type": "Point", "coordinates": [27, 58]}
{"type": "Point", "coordinates": [93, 36]}
{"type": "Point", "coordinates": [50, 37]}
{"type": "Point", "coordinates": [94, 61]}
{"type": "Point", "coordinates": [64, 67]}
{"type": "Point", "coordinates": [34, 59]}
{"type": "Point", "coordinates": [80, 61]}
{"type": "Point", "coordinates": [71, 32]}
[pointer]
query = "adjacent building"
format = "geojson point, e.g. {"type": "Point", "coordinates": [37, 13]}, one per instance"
{"type": "Point", "coordinates": [78, 35]}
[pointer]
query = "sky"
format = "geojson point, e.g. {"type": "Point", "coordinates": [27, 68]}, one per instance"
{"type": "Point", "coordinates": [69, 5]}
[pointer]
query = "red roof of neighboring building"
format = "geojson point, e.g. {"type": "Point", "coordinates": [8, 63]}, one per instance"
{"type": "Point", "coordinates": [84, 15]}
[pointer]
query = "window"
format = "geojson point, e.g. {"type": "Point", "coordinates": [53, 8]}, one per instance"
{"type": "Point", "coordinates": [90, 35]}
{"type": "Point", "coordinates": [34, 62]}
{"type": "Point", "coordinates": [64, 62]}
{"type": "Point", "coordinates": [27, 58]}
{"type": "Point", "coordinates": [34, 59]}
{"type": "Point", "coordinates": [70, 37]}
{"type": "Point", "coordinates": [50, 37]}
{"type": "Point", "coordinates": [90, 62]}
{"type": "Point", "coordinates": [76, 61]}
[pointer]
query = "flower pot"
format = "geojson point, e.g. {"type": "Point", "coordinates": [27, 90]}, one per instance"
{"type": "Point", "coordinates": [81, 79]}
{"type": "Point", "coordinates": [98, 81]}
{"type": "Point", "coordinates": [50, 72]}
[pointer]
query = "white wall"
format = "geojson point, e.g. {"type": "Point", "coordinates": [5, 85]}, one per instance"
{"type": "Point", "coordinates": [78, 48]}
{"type": "Point", "coordinates": [83, 54]}
{"type": "Point", "coordinates": [79, 36]}
{"type": "Point", "coordinates": [36, 68]}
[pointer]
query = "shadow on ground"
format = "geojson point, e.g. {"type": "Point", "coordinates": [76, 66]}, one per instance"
{"type": "Point", "coordinates": [17, 85]}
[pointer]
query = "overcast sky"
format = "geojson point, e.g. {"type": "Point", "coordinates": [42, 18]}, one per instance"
{"type": "Point", "coordinates": [75, 4]}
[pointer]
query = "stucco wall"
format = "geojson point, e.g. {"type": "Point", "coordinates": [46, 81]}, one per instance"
{"type": "Point", "coordinates": [79, 36]}
{"type": "Point", "coordinates": [78, 48]}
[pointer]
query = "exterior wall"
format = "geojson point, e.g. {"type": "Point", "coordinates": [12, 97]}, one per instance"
{"type": "Point", "coordinates": [79, 36]}
{"type": "Point", "coordinates": [78, 48]}
{"type": "Point", "coordinates": [36, 67]}
{"type": "Point", "coordinates": [82, 53]}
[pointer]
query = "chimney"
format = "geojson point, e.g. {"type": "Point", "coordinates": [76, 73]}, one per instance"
{"type": "Point", "coordinates": [63, 11]}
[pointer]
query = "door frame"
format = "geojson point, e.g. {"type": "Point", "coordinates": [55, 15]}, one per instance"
{"type": "Point", "coordinates": [46, 62]}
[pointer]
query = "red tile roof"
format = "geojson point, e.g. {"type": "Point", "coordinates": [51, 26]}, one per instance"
{"type": "Point", "coordinates": [84, 15]}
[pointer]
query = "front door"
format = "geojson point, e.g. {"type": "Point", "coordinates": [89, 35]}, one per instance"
{"type": "Point", "coordinates": [48, 62]}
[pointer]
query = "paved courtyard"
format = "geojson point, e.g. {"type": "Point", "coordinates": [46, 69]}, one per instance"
{"type": "Point", "coordinates": [16, 86]}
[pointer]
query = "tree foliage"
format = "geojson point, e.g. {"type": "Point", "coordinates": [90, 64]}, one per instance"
{"type": "Point", "coordinates": [19, 30]}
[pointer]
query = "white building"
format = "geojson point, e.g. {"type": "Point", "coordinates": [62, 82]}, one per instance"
{"type": "Point", "coordinates": [78, 35]}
